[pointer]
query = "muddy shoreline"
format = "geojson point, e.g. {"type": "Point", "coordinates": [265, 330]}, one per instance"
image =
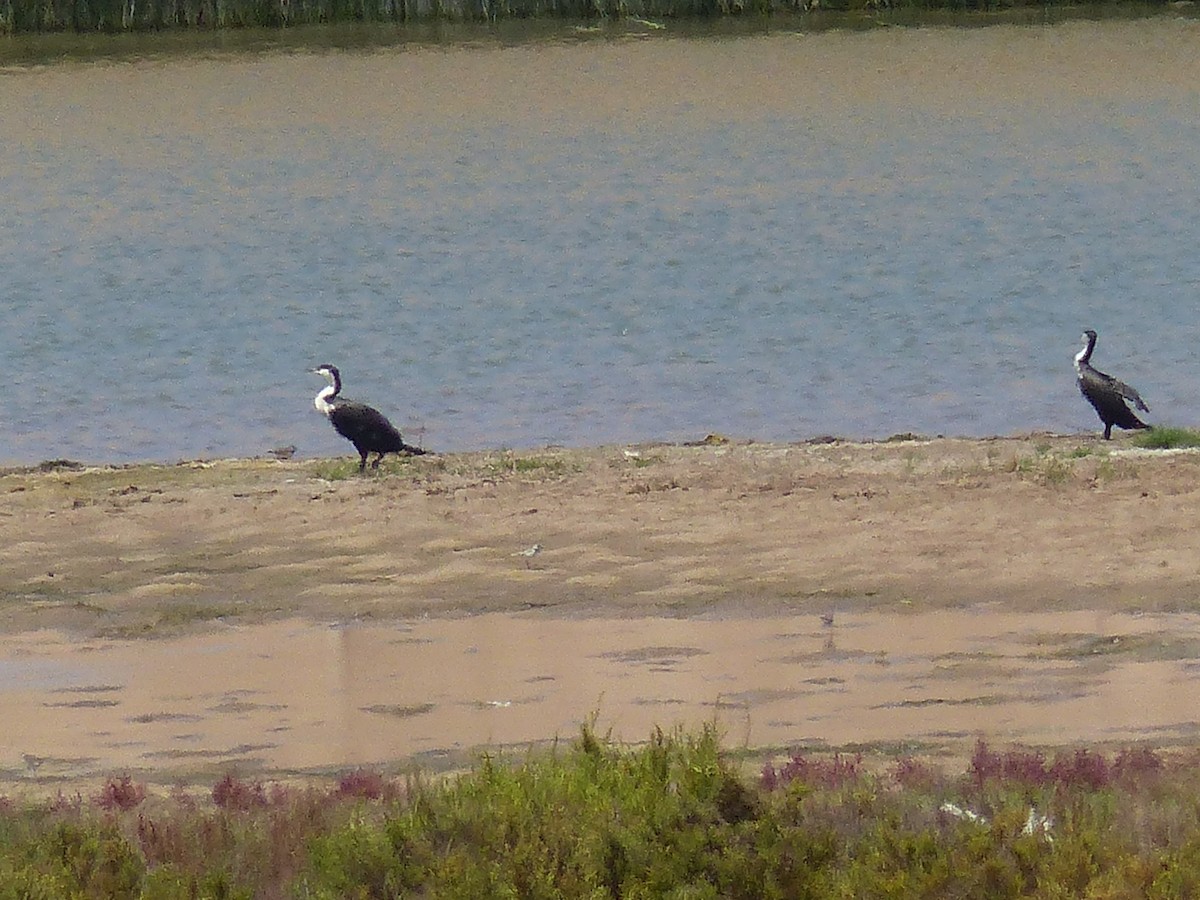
{"type": "Point", "coordinates": [289, 618]}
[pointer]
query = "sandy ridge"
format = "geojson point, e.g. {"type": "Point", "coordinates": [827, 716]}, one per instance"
{"type": "Point", "coordinates": [1028, 522]}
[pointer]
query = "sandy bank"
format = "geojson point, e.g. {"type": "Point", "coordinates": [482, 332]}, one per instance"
{"type": "Point", "coordinates": [954, 570]}
{"type": "Point", "coordinates": [1029, 522]}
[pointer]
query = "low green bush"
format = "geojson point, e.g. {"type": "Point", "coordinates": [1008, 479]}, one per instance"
{"type": "Point", "coordinates": [674, 818]}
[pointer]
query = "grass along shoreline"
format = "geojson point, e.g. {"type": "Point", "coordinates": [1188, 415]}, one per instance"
{"type": "Point", "coordinates": [1015, 452]}
{"type": "Point", "coordinates": [528, 458]}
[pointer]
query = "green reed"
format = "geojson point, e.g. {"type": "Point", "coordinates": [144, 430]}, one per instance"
{"type": "Point", "coordinates": [133, 16]}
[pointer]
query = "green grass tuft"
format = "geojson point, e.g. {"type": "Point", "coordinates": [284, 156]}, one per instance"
{"type": "Point", "coordinates": [1167, 437]}
{"type": "Point", "coordinates": [344, 468]}
{"type": "Point", "coordinates": [538, 466]}
{"type": "Point", "coordinates": [334, 469]}
{"type": "Point", "coordinates": [1046, 469]}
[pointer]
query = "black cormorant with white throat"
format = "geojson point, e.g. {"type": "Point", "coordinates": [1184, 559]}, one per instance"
{"type": "Point", "coordinates": [1105, 393]}
{"type": "Point", "coordinates": [364, 426]}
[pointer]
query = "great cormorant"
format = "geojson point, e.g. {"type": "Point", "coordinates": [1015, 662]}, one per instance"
{"type": "Point", "coordinates": [1105, 393]}
{"type": "Point", "coordinates": [365, 427]}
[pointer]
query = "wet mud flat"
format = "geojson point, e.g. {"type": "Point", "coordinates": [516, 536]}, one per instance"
{"type": "Point", "coordinates": [296, 698]}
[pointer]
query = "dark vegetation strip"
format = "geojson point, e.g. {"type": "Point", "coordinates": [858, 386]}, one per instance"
{"type": "Point", "coordinates": [674, 818]}
{"type": "Point", "coordinates": [83, 16]}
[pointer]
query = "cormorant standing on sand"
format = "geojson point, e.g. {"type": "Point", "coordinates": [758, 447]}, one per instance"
{"type": "Point", "coordinates": [1105, 393]}
{"type": "Point", "coordinates": [365, 427]}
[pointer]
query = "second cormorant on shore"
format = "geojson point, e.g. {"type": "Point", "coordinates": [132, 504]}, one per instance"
{"type": "Point", "coordinates": [1105, 393]}
{"type": "Point", "coordinates": [365, 427]}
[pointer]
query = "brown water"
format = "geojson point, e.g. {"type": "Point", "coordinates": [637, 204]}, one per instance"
{"type": "Point", "coordinates": [295, 697]}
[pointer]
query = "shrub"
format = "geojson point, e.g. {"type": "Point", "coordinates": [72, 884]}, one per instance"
{"type": "Point", "coordinates": [672, 817]}
{"type": "Point", "coordinates": [818, 773]}
{"type": "Point", "coordinates": [233, 793]}
{"type": "Point", "coordinates": [364, 784]}
{"type": "Point", "coordinates": [121, 793]}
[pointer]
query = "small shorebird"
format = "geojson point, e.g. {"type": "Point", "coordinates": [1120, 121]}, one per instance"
{"type": "Point", "coordinates": [33, 763]}
{"type": "Point", "coordinates": [529, 553]}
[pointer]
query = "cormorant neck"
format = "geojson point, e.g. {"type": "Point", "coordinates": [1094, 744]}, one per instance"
{"type": "Point", "coordinates": [1084, 356]}
{"type": "Point", "coordinates": [321, 401]}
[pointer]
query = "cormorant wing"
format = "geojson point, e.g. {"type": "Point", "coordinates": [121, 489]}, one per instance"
{"type": "Point", "coordinates": [1130, 394]}
{"type": "Point", "coordinates": [364, 424]}
{"type": "Point", "coordinates": [1121, 388]}
{"type": "Point", "coordinates": [360, 412]}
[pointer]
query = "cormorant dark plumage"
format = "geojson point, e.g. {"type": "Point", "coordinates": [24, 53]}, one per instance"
{"type": "Point", "coordinates": [365, 427]}
{"type": "Point", "coordinates": [1105, 393]}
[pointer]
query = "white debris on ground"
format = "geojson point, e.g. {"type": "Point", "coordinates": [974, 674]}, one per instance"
{"type": "Point", "coordinates": [1036, 823]}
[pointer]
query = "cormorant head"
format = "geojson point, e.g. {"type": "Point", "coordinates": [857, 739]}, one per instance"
{"type": "Point", "coordinates": [330, 372]}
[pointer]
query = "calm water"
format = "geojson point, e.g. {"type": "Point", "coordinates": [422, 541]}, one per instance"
{"type": "Point", "coordinates": [617, 240]}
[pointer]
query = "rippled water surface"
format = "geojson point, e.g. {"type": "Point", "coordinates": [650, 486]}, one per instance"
{"type": "Point", "coordinates": [774, 236]}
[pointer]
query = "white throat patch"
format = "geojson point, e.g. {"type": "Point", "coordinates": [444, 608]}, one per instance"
{"type": "Point", "coordinates": [1081, 354]}
{"type": "Point", "coordinates": [321, 401]}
